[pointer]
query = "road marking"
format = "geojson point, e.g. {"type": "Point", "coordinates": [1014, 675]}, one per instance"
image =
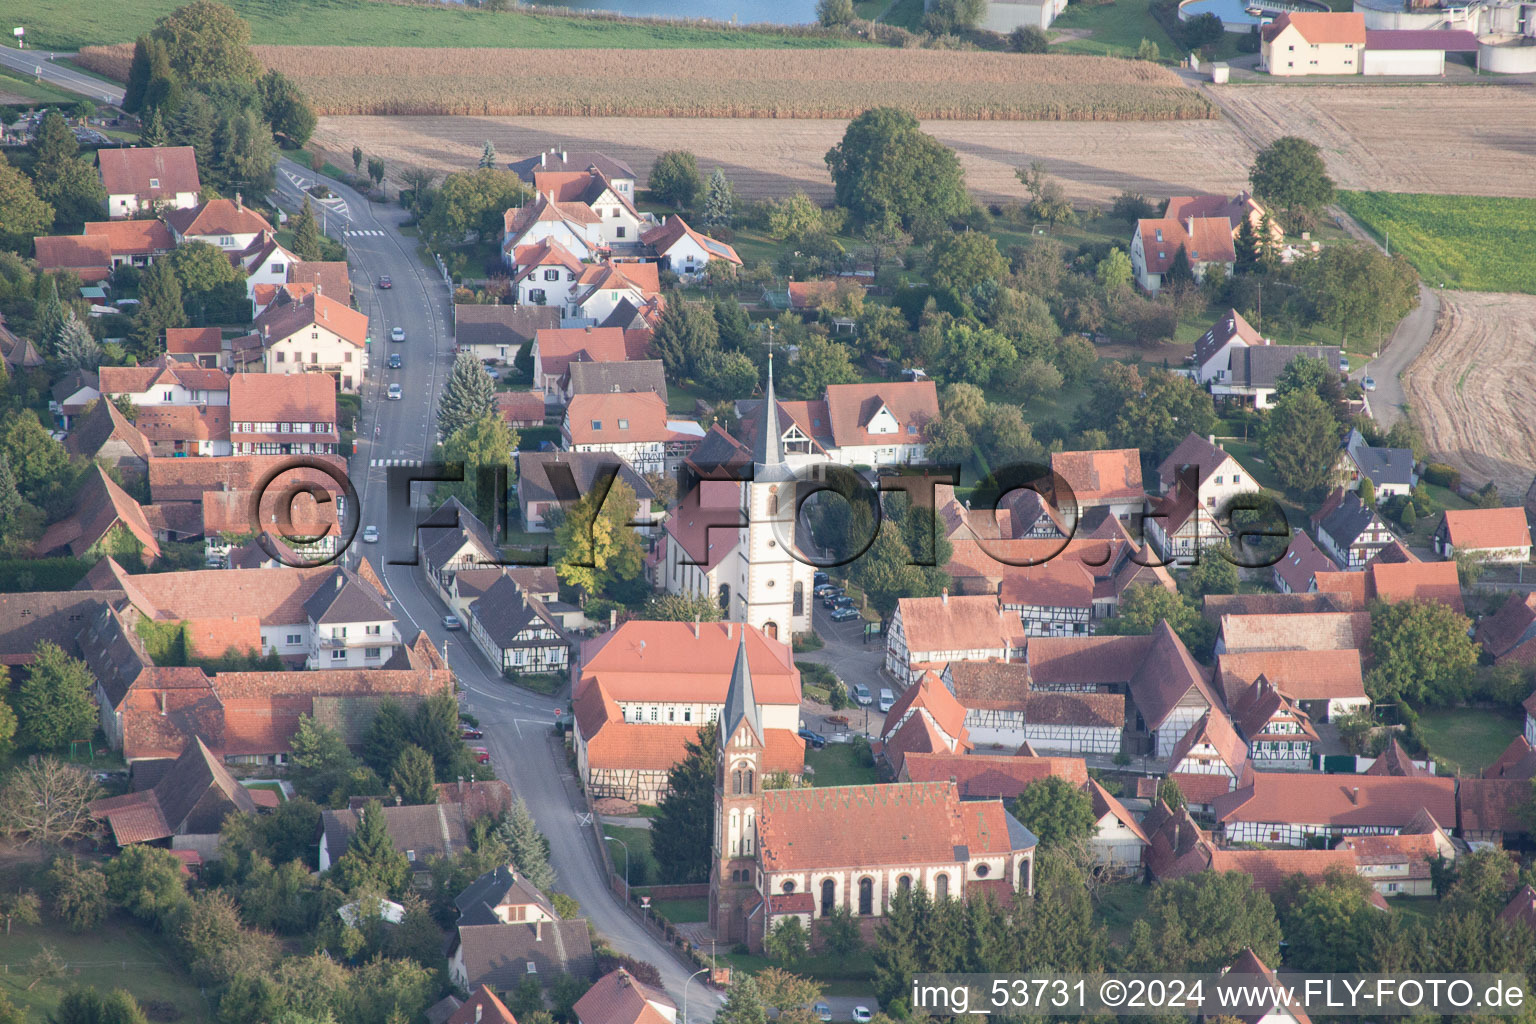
{"type": "Point", "coordinates": [375, 463]}
{"type": "Point", "coordinates": [583, 819]}
{"type": "Point", "coordinates": [365, 232]}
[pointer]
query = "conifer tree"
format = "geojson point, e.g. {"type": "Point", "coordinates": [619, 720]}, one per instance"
{"type": "Point", "coordinates": [529, 848]}
{"type": "Point", "coordinates": [469, 394]}
{"type": "Point", "coordinates": [488, 154]}
{"type": "Point", "coordinates": [371, 861]}
{"type": "Point", "coordinates": [152, 132]}
{"type": "Point", "coordinates": [159, 307]}
{"type": "Point", "coordinates": [414, 777]}
{"type": "Point", "coordinates": [10, 497]}
{"type": "Point", "coordinates": [718, 198]}
{"type": "Point", "coordinates": [48, 314]}
{"type": "Point", "coordinates": [76, 347]}
{"type": "Point", "coordinates": [306, 234]}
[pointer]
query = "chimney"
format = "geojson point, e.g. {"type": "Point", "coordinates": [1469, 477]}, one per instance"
{"type": "Point", "coordinates": [563, 156]}
{"type": "Point", "coordinates": [623, 978]}
{"type": "Point", "coordinates": [538, 930]}
{"type": "Point", "coordinates": [1211, 439]}
{"type": "Point", "coordinates": [317, 287]}
{"type": "Point", "coordinates": [695, 627]}
{"type": "Point", "coordinates": [613, 618]}
{"type": "Point", "coordinates": [1354, 795]}
{"type": "Point", "coordinates": [239, 202]}
{"type": "Point", "coordinates": [541, 159]}
{"type": "Point", "coordinates": [339, 582]}
{"type": "Point", "coordinates": [162, 703]}
{"type": "Point", "coordinates": [944, 595]}
{"type": "Point", "coordinates": [479, 1009]}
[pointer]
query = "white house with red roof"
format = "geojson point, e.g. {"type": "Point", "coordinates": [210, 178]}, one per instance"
{"type": "Point", "coordinates": [633, 425]}
{"type": "Point", "coordinates": [1157, 242]}
{"type": "Point", "coordinates": [544, 272]}
{"type": "Point", "coordinates": [934, 630]}
{"type": "Point", "coordinates": [226, 223]}
{"type": "Point", "coordinates": [623, 291]}
{"type": "Point", "coordinates": [880, 424]}
{"type": "Point", "coordinates": [1236, 209]}
{"type": "Point", "coordinates": [1297, 570]}
{"type": "Point", "coordinates": [619, 223]}
{"type": "Point", "coordinates": [292, 414]}
{"type": "Point", "coordinates": [203, 346]}
{"type": "Point", "coordinates": [926, 719]}
{"type": "Point", "coordinates": [148, 179]}
{"type": "Point", "coordinates": [1118, 842]}
{"type": "Point", "coordinates": [163, 381]}
{"type": "Point", "coordinates": [265, 262]}
{"type": "Point", "coordinates": [573, 225]}
{"type": "Point", "coordinates": [1218, 477]}
{"type": "Point", "coordinates": [1313, 43]}
{"type": "Point", "coordinates": [1496, 535]}
{"type": "Point", "coordinates": [1002, 708]}
{"type": "Point", "coordinates": [1180, 527]}
{"type": "Point", "coordinates": [136, 243]}
{"type": "Point", "coordinates": [1288, 807]}
{"type": "Point", "coordinates": [1104, 478]}
{"type": "Point", "coordinates": [1278, 733]}
{"type": "Point", "coordinates": [554, 351]}
{"type": "Point", "coordinates": [312, 334]}
{"type": "Point", "coordinates": [683, 250]}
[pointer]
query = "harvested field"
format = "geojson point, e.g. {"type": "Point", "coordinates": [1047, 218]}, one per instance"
{"type": "Point", "coordinates": [1095, 161]}
{"type": "Point", "coordinates": [1449, 139]}
{"type": "Point", "coordinates": [735, 83]}
{"type": "Point", "coordinates": [1473, 389]}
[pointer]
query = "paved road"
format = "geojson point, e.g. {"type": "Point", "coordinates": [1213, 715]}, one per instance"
{"type": "Point", "coordinates": [38, 63]}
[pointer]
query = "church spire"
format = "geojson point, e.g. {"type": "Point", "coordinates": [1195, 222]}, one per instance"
{"type": "Point", "coordinates": [769, 449]}
{"type": "Point", "coordinates": [740, 700]}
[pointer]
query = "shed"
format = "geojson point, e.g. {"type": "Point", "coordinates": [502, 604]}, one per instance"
{"type": "Point", "coordinates": [1419, 51]}
{"type": "Point", "coordinates": [1220, 73]}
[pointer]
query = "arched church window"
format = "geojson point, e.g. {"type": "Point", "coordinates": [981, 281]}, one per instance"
{"type": "Point", "coordinates": [828, 897]}
{"type": "Point", "coordinates": [771, 629]}
{"type": "Point", "coordinates": [736, 782]}
{"type": "Point", "coordinates": [866, 896]}
{"type": "Point", "coordinates": [725, 597]}
{"type": "Point", "coordinates": [941, 887]}
{"type": "Point", "coordinates": [799, 598]}
{"type": "Point", "coordinates": [750, 778]}
{"type": "Point", "coordinates": [904, 883]}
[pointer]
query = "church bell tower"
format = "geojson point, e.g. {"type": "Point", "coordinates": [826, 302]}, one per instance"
{"type": "Point", "coordinates": [738, 780]}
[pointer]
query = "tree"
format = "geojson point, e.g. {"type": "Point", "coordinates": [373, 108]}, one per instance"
{"type": "Point", "coordinates": [529, 848]}
{"type": "Point", "coordinates": [357, 159]}
{"type": "Point", "coordinates": [1423, 652]}
{"type": "Point", "coordinates": [23, 215]}
{"type": "Point", "coordinates": [138, 76]}
{"type": "Point", "coordinates": [1306, 373]}
{"type": "Point", "coordinates": [78, 893]}
{"type": "Point", "coordinates": [19, 907]}
{"type": "Point", "coordinates": [1058, 931]}
{"type": "Point", "coordinates": [323, 755]}
{"type": "Point", "coordinates": [821, 362]}
{"type": "Point", "coordinates": [1328, 925]}
{"type": "Point", "coordinates": [209, 43]}
{"type": "Point", "coordinates": [743, 1003]}
{"type": "Point", "coordinates": [1213, 573]}
{"type": "Point", "coordinates": [1367, 493]}
{"type": "Point", "coordinates": [84, 1005]}
{"type": "Point", "coordinates": [597, 543]}
{"type": "Point", "coordinates": [1144, 606]}
{"type": "Point", "coordinates": [1057, 812]}
{"type": "Point", "coordinates": [1028, 39]}
{"type": "Point", "coordinates": [834, 13]}
{"type": "Point", "coordinates": [56, 703]}
{"type": "Point", "coordinates": [788, 942]}
{"type": "Point", "coordinates": [480, 446]}
{"type": "Point", "coordinates": [1048, 198]}
{"type": "Point", "coordinates": [840, 932]}
{"type": "Point", "coordinates": [376, 170]}
{"type": "Point", "coordinates": [286, 109]}
{"type": "Point", "coordinates": [675, 178]}
{"type": "Point", "coordinates": [1359, 288]}
{"type": "Point", "coordinates": [1247, 246]}
{"type": "Point", "coordinates": [468, 394]}
{"type": "Point", "coordinates": [1202, 922]}
{"type": "Point", "coordinates": [472, 201]}
{"type": "Point", "coordinates": [77, 348]}
{"type": "Point", "coordinates": [159, 307]}
{"type": "Point", "coordinates": [1300, 437]}
{"type": "Point", "coordinates": [975, 354]}
{"type": "Point", "coordinates": [718, 194]}
{"type": "Point", "coordinates": [371, 863]}
{"type": "Point", "coordinates": [680, 835]}
{"type": "Point", "coordinates": [191, 123]}
{"type": "Point", "coordinates": [1148, 50]}
{"type": "Point", "coordinates": [685, 334]}
{"type": "Point", "coordinates": [1114, 271]}
{"type": "Point", "coordinates": [946, 16]}
{"type": "Point", "coordinates": [7, 716]}
{"type": "Point", "coordinates": [247, 156]}
{"type": "Point", "coordinates": [1289, 175]}
{"type": "Point", "coordinates": [791, 218]}
{"type": "Point", "coordinates": [63, 180]}
{"type": "Point", "coordinates": [385, 736]}
{"type": "Point", "coordinates": [216, 946]}
{"type": "Point", "coordinates": [307, 243]}
{"type": "Point", "coordinates": [147, 882]}
{"type": "Point", "coordinates": [958, 262]}
{"type": "Point", "coordinates": [40, 463]}
{"type": "Point", "coordinates": [413, 777]}
{"type": "Point", "coordinates": [1168, 792]}
{"type": "Point", "coordinates": [488, 154]}
{"type": "Point", "coordinates": [887, 167]}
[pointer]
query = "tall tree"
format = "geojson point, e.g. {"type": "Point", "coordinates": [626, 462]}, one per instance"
{"type": "Point", "coordinates": [1144, 606]}
{"type": "Point", "coordinates": [1423, 653]}
{"type": "Point", "coordinates": [1247, 246]}
{"type": "Point", "coordinates": [1328, 924]}
{"type": "Point", "coordinates": [78, 893]}
{"type": "Point", "coordinates": [209, 43]}
{"type": "Point", "coordinates": [162, 90]}
{"type": "Point", "coordinates": [958, 262]}
{"type": "Point", "coordinates": [306, 234]}
{"type": "Point", "coordinates": [680, 838]}
{"type": "Point", "coordinates": [481, 446]}
{"type": "Point", "coordinates": [159, 307]}
{"type": "Point", "coordinates": [56, 704]}
{"type": "Point", "coordinates": [413, 777]}
{"type": "Point", "coordinates": [686, 335]}
{"type": "Point", "coordinates": [529, 848]}
{"type": "Point", "coordinates": [357, 158]}
{"type": "Point", "coordinates": [1359, 290]}
{"type": "Point", "coordinates": [192, 123]}
{"type": "Point", "coordinates": [1056, 811]}
{"type": "Point", "coordinates": [48, 801]}
{"type": "Point", "coordinates": [371, 863]}
{"type": "Point", "coordinates": [138, 76]}
{"type": "Point", "coordinates": [718, 200]}
{"type": "Point", "coordinates": [488, 154]}
{"type": "Point", "coordinates": [598, 545]}
{"type": "Point", "coordinates": [468, 394]}
{"type": "Point", "coordinates": [247, 155]}
{"type": "Point", "coordinates": [743, 1003]}
{"type": "Point", "coordinates": [385, 735]}
{"type": "Point", "coordinates": [1290, 176]}
{"type": "Point", "coordinates": [1058, 931]}
{"type": "Point", "coordinates": [1203, 921]}
{"type": "Point", "coordinates": [286, 109]}
{"type": "Point", "coordinates": [820, 362]}
{"type": "Point", "coordinates": [472, 201]}
{"type": "Point", "coordinates": [675, 178]}
{"type": "Point", "coordinates": [10, 498]}
{"type": "Point", "coordinates": [23, 215]}
{"type": "Point", "coordinates": [63, 179]}
{"type": "Point", "coordinates": [886, 166]}
{"type": "Point", "coordinates": [77, 348]}
{"type": "Point", "coordinates": [1300, 437]}
{"type": "Point", "coordinates": [152, 129]}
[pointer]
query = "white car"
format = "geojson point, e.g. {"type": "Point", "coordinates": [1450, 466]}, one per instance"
{"type": "Point", "coordinates": [887, 700]}
{"type": "Point", "coordinates": [370, 535]}
{"type": "Point", "coordinates": [1369, 383]}
{"type": "Point", "coordinates": [397, 334]}
{"type": "Point", "coordinates": [395, 394]}
{"type": "Point", "coordinates": [861, 694]}
{"type": "Point", "coordinates": [861, 1014]}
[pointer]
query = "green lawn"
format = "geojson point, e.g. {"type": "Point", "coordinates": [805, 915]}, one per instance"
{"type": "Point", "coordinates": [837, 764]}
{"type": "Point", "coordinates": [839, 976]}
{"type": "Point", "coordinates": [1120, 906]}
{"type": "Point", "coordinates": [683, 911]}
{"type": "Point", "coordinates": [1480, 243]}
{"type": "Point", "coordinates": [368, 23]}
{"type": "Point", "coordinates": [1118, 28]}
{"type": "Point", "coordinates": [639, 842]}
{"type": "Point", "coordinates": [1468, 739]}
{"type": "Point", "coordinates": [116, 954]}
{"type": "Point", "coordinates": [25, 86]}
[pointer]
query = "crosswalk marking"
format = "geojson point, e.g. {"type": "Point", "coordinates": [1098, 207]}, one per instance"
{"type": "Point", "coordinates": [394, 462]}
{"type": "Point", "coordinates": [370, 232]}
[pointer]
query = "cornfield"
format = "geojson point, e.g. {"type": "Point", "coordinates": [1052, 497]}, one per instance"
{"type": "Point", "coordinates": [932, 84]}
{"type": "Point", "coordinates": [111, 61]}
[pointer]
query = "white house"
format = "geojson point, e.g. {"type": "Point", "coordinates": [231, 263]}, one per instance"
{"type": "Point", "coordinates": [632, 425]}
{"type": "Point", "coordinates": [544, 272]}
{"type": "Point", "coordinates": [1218, 476]}
{"type": "Point", "coordinates": [1350, 532]}
{"type": "Point", "coordinates": [1179, 526]}
{"type": "Point", "coordinates": [1157, 242]}
{"type": "Point", "coordinates": [1390, 470]}
{"type": "Point", "coordinates": [603, 289]}
{"type": "Point", "coordinates": [880, 424]}
{"type": "Point", "coordinates": [148, 179]}
{"type": "Point", "coordinates": [1499, 535]}
{"type": "Point", "coordinates": [163, 382]}
{"type": "Point", "coordinates": [266, 263]}
{"type": "Point", "coordinates": [1118, 841]}
{"type": "Point", "coordinates": [315, 333]}
{"type": "Point", "coordinates": [516, 633]}
{"type": "Point", "coordinates": [683, 250]}
{"type": "Point", "coordinates": [1213, 350]}
{"type": "Point", "coordinates": [226, 223]}
{"type": "Point", "coordinates": [618, 220]}
{"type": "Point", "coordinates": [1287, 807]}
{"type": "Point", "coordinates": [496, 334]}
{"type": "Point", "coordinates": [573, 225]}
{"type": "Point", "coordinates": [350, 625]}
{"type": "Point", "coordinates": [1001, 708]}
{"type": "Point", "coordinates": [927, 631]}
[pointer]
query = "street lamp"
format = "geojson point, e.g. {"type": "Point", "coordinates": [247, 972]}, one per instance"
{"type": "Point", "coordinates": [613, 839]}
{"type": "Point", "coordinates": [695, 974]}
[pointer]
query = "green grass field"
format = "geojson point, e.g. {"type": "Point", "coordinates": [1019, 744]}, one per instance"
{"type": "Point", "coordinates": [1479, 243]}
{"type": "Point", "coordinates": [838, 765]}
{"type": "Point", "coordinates": [638, 840]}
{"type": "Point", "coordinates": [1117, 29]}
{"type": "Point", "coordinates": [1468, 739]}
{"type": "Point", "coordinates": [683, 911]}
{"type": "Point", "coordinates": [13, 83]}
{"type": "Point", "coordinates": [64, 26]}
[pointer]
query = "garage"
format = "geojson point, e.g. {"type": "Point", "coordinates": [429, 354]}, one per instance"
{"type": "Point", "coordinates": [1416, 52]}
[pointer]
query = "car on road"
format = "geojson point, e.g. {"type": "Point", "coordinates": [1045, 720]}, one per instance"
{"type": "Point", "coordinates": [469, 732]}
{"type": "Point", "coordinates": [861, 694]}
{"type": "Point", "coordinates": [844, 614]}
{"type": "Point", "coordinates": [451, 622]}
{"type": "Point", "coordinates": [822, 1011]}
{"type": "Point", "coordinates": [831, 597]}
{"type": "Point", "coordinates": [386, 283]}
{"type": "Point", "coordinates": [321, 192]}
{"type": "Point", "coordinates": [841, 601]}
{"type": "Point", "coordinates": [482, 756]}
{"type": "Point", "coordinates": [370, 535]}
{"type": "Point", "coordinates": [815, 739]}
{"type": "Point", "coordinates": [395, 393]}
{"type": "Point", "coordinates": [397, 334]}
{"type": "Point", "coordinates": [861, 1015]}
{"type": "Point", "coordinates": [491, 372]}
{"type": "Point", "coordinates": [1369, 383]}
{"type": "Point", "coordinates": [887, 700]}
{"type": "Point", "coordinates": [819, 578]}
{"type": "Point", "coordinates": [394, 360]}
{"type": "Point", "coordinates": [823, 589]}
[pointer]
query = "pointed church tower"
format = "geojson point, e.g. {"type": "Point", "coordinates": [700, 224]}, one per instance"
{"type": "Point", "coordinates": [778, 590]}
{"type": "Point", "coordinates": [738, 781]}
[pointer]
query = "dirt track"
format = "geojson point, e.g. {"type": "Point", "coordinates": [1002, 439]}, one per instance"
{"type": "Point", "coordinates": [1473, 390]}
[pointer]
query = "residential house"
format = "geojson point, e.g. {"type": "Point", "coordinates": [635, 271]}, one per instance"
{"type": "Point", "coordinates": [1324, 684]}
{"type": "Point", "coordinates": [105, 435]}
{"type": "Point", "coordinates": [616, 294]}
{"type": "Point", "coordinates": [1214, 350]}
{"type": "Point", "coordinates": [804, 429]}
{"type": "Point", "coordinates": [684, 251]}
{"type": "Point", "coordinates": [587, 378]}
{"type": "Point", "coordinates": [548, 479]}
{"type": "Point", "coordinates": [104, 520]}
{"type": "Point", "coordinates": [544, 273]}
{"type": "Point", "coordinates": [935, 630]}
{"type": "Point", "coordinates": [293, 414]}
{"type": "Point", "coordinates": [72, 394]}
{"type": "Point", "coordinates": [554, 351]}
{"type": "Point", "coordinates": [516, 633]}
{"type": "Point", "coordinates": [620, 998]}
{"type": "Point", "coordinates": [1109, 479]}
{"type": "Point", "coordinates": [1390, 470]}
{"type": "Point", "coordinates": [149, 179]}
{"type": "Point", "coordinates": [201, 346]}
{"type": "Point", "coordinates": [1255, 371]}
{"type": "Point", "coordinates": [315, 334]}
{"type": "Point", "coordinates": [631, 425]}
{"type": "Point", "coordinates": [1495, 535]}
{"type": "Point", "coordinates": [133, 243]}
{"type": "Point", "coordinates": [521, 409]}
{"type": "Point", "coordinates": [984, 776]}
{"type": "Point", "coordinates": [1208, 760]}
{"type": "Point", "coordinates": [926, 719]}
{"type": "Point", "coordinates": [1313, 43]}
{"type": "Point", "coordinates": [1157, 242]}
{"type": "Point", "coordinates": [1280, 1010]}
{"type": "Point", "coordinates": [1288, 807]}
{"type": "Point", "coordinates": [1399, 865]}
{"type": "Point", "coordinates": [1299, 567]}
{"type": "Point", "coordinates": [619, 223]}
{"type": "Point", "coordinates": [421, 832]}
{"type": "Point", "coordinates": [350, 623]}
{"type": "Point", "coordinates": [1218, 477]}
{"type": "Point", "coordinates": [451, 540]}
{"type": "Point", "coordinates": [1180, 528]}
{"type": "Point", "coordinates": [574, 226]}
{"type": "Point", "coordinates": [266, 265]}
{"type": "Point", "coordinates": [1493, 810]}
{"type": "Point", "coordinates": [1306, 631]}
{"type": "Point", "coordinates": [1349, 530]}
{"type": "Point", "coordinates": [226, 223]}
{"type": "Point", "coordinates": [502, 956]}
{"type": "Point", "coordinates": [185, 430]}
{"type": "Point", "coordinates": [1510, 635]}
{"type": "Point", "coordinates": [163, 381]}
{"type": "Point", "coordinates": [482, 1007]}
{"type": "Point", "coordinates": [1278, 733]}
{"type": "Point", "coordinates": [880, 424]}
{"type": "Point", "coordinates": [552, 159]}
{"type": "Point", "coordinates": [1003, 709]}
{"type": "Point", "coordinates": [497, 333]}
{"type": "Point", "coordinates": [1236, 209]}
{"type": "Point", "coordinates": [88, 257]}
{"type": "Point", "coordinates": [192, 798]}
{"type": "Point", "coordinates": [329, 276]}
{"type": "Point", "coordinates": [1397, 581]}
{"type": "Point", "coordinates": [1118, 842]}
{"type": "Point", "coordinates": [502, 896]}
{"type": "Point", "coordinates": [1054, 598]}
{"type": "Point", "coordinates": [646, 688]}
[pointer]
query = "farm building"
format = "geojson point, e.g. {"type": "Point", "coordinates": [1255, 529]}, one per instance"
{"type": "Point", "coordinates": [1413, 51]}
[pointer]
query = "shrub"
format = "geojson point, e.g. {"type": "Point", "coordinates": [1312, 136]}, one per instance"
{"type": "Point", "coordinates": [1442, 475]}
{"type": "Point", "coordinates": [1028, 39]}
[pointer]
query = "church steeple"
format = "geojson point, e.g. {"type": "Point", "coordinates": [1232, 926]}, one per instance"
{"type": "Point", "coordinates": [768, 451]}
{"type": "Point", "coordinates": [740, 700]}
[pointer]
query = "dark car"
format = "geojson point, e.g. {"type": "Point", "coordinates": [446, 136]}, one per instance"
{"type": "Point", "coordinates": [843, 614]}
{"type": "Point", "coordinates": [819, 578]}
{"type": "Point", "coordinates": [385, 282]}
{"type": "Point", "coordinates": [394, 360]}
{"type": "Point", "coordinates": [831, 597]}
{"type": "Point", "coordinates": [815, 739]}
{"type": "Point", "coordinates": [841, 601]}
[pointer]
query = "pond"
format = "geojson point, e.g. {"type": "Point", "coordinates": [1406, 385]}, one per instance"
{"type": "Point", "coordinates": [743, 12]}
{"type": "Point", "coordinates": [1231, 12]}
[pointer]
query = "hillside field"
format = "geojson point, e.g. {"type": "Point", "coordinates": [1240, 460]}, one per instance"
{"type": "Point", "coordinates": [1479, 243]}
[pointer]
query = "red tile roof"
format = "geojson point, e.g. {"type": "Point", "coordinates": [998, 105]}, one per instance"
{"type": "Point", "coordinates": [1204, 240]}
{"type": "Point", "coordinates": [707, 523]}
{"type": "Point", "coordinates": [991, 775]}
{"type": "Point", "coordinates": [99, 505]}
{"type": "Point", "coordinates": [189, 340]}
{"type": "Point", "coordinates": [135, 380]}
{"type": "Point", "coordinates": [1509, 630]}
{"type": "Point", "coordinates": [1214, 729]}
{"type": "Point", "coordinates": [851, 407]}
{"type": "Point", "coordinates": [132, 237]}
{"type": "Point", "coordinates": [1321, 26]}
{"type": "Point", "coordinates": [1060, 583]}
{"type": "Point", "coordinates": [618, 998]}
{"type": "Point", "coordinates": [518, 407]}
{"type": "Point", "coordinates": [666, 235]}
{"type": "Point", "coordinates": [1397, 581]}
{"type": "Point", "coordinates": [89, 256]}
{"type": "Point", "coordinates": [929, 694]}
{"type": "Point", "coordinates": [1350, 801]}
{"type": "Point", "coordinates": [1234, 209]}
{"type": "Point", "coordinates": [1100, 477]}
{"type": "Point", "coordinates": [280, 321]}
{"type": "Point", "coordinates": [810, 294]}
{"type": "Point", "coordinates": [483, 1008]}
{"type": "Point", "coordinates": [1105, 803]}
{"type": "Point", "coordinates": [1300, 675]}
{"type": "Point", "coordinates": [644, 660]}
{"type": "Point", "coordinates": [217, 217]}
{"type": "Point", "coordinates": [1488, 805]}
{"type": "Point", "coordinates": [128, 171]}
{"type": "Point", "coordinates": [958, 623]}
{"type": "Point", "coordinates": [559, 347]}
{"type": "Point", "coordinates": [1521, 908]}
{"type": "Point", "coordinates": [1270, 868]}
{"type": "Point", "coordinates": [283, 398]}
{"type": "Point", "coordinates": [1314, 631]}
{"type": "Point", "coordinates": [1414, 852]}
{"type": "Point", "coordinates": [1474, 529]}
{"type": "Point", "coordinates": [633, 417]}
{"type": "Point", "coordinates": [1301, 562]}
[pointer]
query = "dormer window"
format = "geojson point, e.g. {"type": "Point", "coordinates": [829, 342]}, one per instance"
{"type": "Point", "coordinates": [1159, 233]}
{"type": "Point", "coordinates": [154, 182]}
{"type": "Point", "coordinates": [623, 424]}
{"type": "Point", "coordinates": [597, 424]}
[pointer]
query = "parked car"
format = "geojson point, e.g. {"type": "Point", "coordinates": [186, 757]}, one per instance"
{"type": "Point", "coordinates": [1369, 383]}
{"type": "Point", "coordinates": [815, 739]}
{"type": "Point", "coordinates": [1343, 364]}
{"type": "Point", "coordinates": [826, 588]}
{"type": "Point", "coordinates": [861, 1015]}
{"type": "Point", "coordinates": [386, 283]}
{"type": "Point", "coordinates": [844, 614]}
{"type": "Point", "coordinates": [822, 1011]}
{"type": "Point", "coordinates": [394, 360]}
{"type": "Point", "coordinates": [370, 535]}
{"type": "Point", "coordinates": [395, 393]}
{"type": "Point", "coordinates": [482, 755]}
{"type": "Point", "coordinates": [861, 694]}
{"type": "Point", "coordinates": [887, 700]}
{"type": "Point", "coordinates": [397, 334]}
{"type": "Point", "coordinates": [819, 578]}
{"type": "Point", "coordinates": [841, 601]}
{"type": "Point", "coordinates": [471, 733]}
{"type": "Point", "coordinates": [451, 622]}
{"type": "Point", "coordinates": [491, 372]}
{"type": "Point", "coordinates": [832, 597]}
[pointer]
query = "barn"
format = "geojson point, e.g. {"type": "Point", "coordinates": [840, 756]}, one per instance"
{"type": "Point", "coordinates": [1413, 51]}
